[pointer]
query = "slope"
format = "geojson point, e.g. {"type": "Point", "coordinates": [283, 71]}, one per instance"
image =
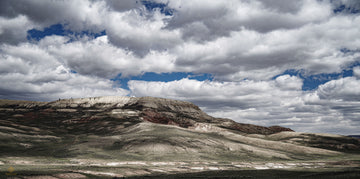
{"type": "Point", "coordinates": [128, 128]}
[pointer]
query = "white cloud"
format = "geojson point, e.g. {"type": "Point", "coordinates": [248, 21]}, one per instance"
{"type": "Point", "coordinates": [289, 82]}
{"type": "Point", "coordinates": [343, 89]}
{"type": "Point", "coordinates": [356, 71]}
{"type": "Point", "coordinates": [123, 5]}
{"type": "Point", "coordinates": [244, 94]}
{"type": "Point", "coordinates": [98, 57]}
{"type": "Point", "coordinates": [16, 18]}
{"type": "Point", "coordinates": [212, 95]}
{"type": "Point", "coordinates": [276, 102]}
{"type": "Point", "coordinates": [242, 43]}
{"type": "Point", "coordinates": [32, 73]}
{"type": "Point", "coordinates": [12, 29]}
{"type": "Point", "coordinates": [231, 39]}
{"type": "Point", "coordinates": [222, 17]}
{"type": "Point", "coordinates": [314, 48]}
{"type": "Point", "coordinates": [132, 30]}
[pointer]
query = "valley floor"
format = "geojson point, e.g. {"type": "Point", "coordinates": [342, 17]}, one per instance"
{"type": "Point", "coordinates": [16, 167]}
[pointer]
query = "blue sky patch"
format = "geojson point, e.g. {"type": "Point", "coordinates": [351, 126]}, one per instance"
{"type": "Point", "coordinates": [163, 77]}
{"type": "Point", "coordinates": [343, 8]}
{"type": "Point", "coordinates": [311, 82]}
{"type": "Point", "coordinates": [59, 29]}
{"type": "Point", "coordinates": [150, 6]}
{"type": "Point", "coordinates": [56, 29]}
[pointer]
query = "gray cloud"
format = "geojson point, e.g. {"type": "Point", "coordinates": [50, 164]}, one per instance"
{"type": "Point", "coordinates": [123, 5]}
{"type": "Point", "coordinates": [220, 18]}
{"type": "Point", "coordinates": [12, 29]}
{"type": "Point", "coordinates": [284, 6]}
{"type": "Point", "coordinates": [242, 43]}
{"type": "Point", "coordinates": [276, 102]}
{"type": "Point", "coordinates": [140, 34]}
{"type": "Point", "coordinates": [29, 72]}
{"type": "Point", "coordinates": [341, 89]}
{"type": "Point", "coordinates": [312, 47]}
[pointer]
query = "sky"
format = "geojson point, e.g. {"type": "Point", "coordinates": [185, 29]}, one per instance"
{"type": "Point", "coordinates": [293, 63]}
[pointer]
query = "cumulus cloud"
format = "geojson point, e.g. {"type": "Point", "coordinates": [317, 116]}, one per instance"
{"type": "Point", "coordinates": [228, 96]}
{"type": "Point", "coordinates": [132, 30]}
{"type": "Point", "coordinates": [245, 45]}
{"type": "Point", "coordinates": [123, 5]}
{"type": "Point", "coordinates": [242, 37]}
{"type": "Point", "coordinates": [32, 73]}
{"type": "Point", "coordinates": [222, 17]}
{"type": "Point", "coordinates": [341, 89]}
{"type": "Point", "coordinates": [34, 70]}
{"type": "Point", "coordinates": [276, 102]}
{"type": "Point", "coordinates": [312, 47]}
{"type": "Point", "coordinates": [98, 57]}
{"type": "Point", "coordinates": [12, 29]}
{"type": "Point", "coordinates": [356, 71]}
{"type": "Point", "coordinates": [78, 15]}
{"type": "Point", "coordinates": [244, 94]}
{"type": "Point", "coordinates": [17, 17]}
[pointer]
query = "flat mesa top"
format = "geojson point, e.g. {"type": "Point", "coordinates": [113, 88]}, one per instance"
{"type": "Point", "coordinates": [102, 99]}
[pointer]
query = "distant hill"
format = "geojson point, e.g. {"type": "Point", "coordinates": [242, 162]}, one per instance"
{"type": "Point", "coordinates": [355, 136]}
{"type": "Point", "coordinates": [150, 129]}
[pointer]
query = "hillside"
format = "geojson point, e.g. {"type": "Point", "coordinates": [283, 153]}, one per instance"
{"type": "Point", "coordinates": [111, 130]}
